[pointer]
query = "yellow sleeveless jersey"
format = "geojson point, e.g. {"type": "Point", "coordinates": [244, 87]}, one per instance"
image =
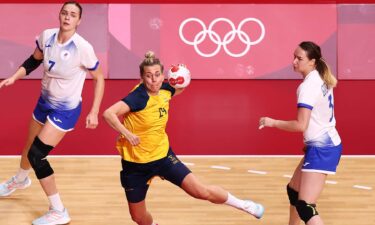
{"type": "Point", "coordinates": [147, 119]}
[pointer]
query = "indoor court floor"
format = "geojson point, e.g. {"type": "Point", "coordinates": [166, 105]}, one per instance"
{"type": "Point", "coordinates": [90, 189]}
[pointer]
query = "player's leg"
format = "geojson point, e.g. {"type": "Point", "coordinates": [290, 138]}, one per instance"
{"type": "Point", "coordinates": [58, 123]}
{"type": "Point", "coordinates": [292, 191]}
{"type": "Point", "coordinates": [47, 139]}
{"type": "Point", "coordinates": [319, 161]}
{"type": "Point", "coordinates": [37, 122]}
{"type": "Point", "coordinates": [197, 189]}
{"type": "Point", "coordinates": [135, 179]}
{"type": "Point", "coordinates": [310, 188]}
{"type": "Point", "coordinates": [215, 194]}
{"type": "Point", "coordinates": [139, 213]}
{"type": "Point", "coordinates": [176, 172]}
{"type": "Point", "coordinates": [21, 179]}
{"type": "Point", "coordinates": [34, 129]}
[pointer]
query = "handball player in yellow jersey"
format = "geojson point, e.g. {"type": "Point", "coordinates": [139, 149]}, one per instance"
{"type": "Point", "coordinates": [144, 146]}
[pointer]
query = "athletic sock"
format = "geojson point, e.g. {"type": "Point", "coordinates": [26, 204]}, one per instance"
{"type": "Point", "coordinates": [235, 202]}
{"type": "Point", "coordinates": [22, 174]}
{"type": "Point", "coordinates": [55, 202]}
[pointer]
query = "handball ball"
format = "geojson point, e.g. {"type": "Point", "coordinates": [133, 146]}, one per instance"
{"type": "Point", "coordinates": [179, 76]}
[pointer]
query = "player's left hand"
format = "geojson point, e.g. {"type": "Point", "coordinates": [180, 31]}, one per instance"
{"type": "Point", "coordinates": [92, 121]}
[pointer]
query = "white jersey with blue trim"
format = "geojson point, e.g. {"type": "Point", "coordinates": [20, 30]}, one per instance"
{"type": "Point", "coordinates": [314, 94]}
{"type": "Point", "coordinates": [65, 67]}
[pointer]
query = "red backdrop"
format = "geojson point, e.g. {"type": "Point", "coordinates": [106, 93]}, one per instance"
{"type": "Point", "coordinates": [210, 117]}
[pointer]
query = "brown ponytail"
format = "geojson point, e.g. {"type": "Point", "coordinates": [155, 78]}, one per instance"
{"type": "Point", "coordinates": [313, 52]}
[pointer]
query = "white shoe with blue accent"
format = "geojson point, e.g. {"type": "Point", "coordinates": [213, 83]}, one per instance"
{"type": "Point", "coordinates": [11, 185]}
{"type": "Point", "coordinates": [53, 217]}
{"type": "Point", "coordinates": [255, 209]}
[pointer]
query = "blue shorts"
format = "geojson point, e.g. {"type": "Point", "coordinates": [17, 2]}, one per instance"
{"type": "Point", "coordinates": [64, 120]}
{"type": "Point", "coordinates": [136, 177]}
{"type": "Point", "coordinates": [322, 159]}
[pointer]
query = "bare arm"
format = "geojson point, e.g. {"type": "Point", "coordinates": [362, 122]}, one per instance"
{"type": "Point", "coordinates": [21, 72]}
{"type": "Point", "coordinates": [92, 117]}
{"type": "Point", "coordinates": [111, 116]}
{"type": "Point", "coordinates": [299, 125]}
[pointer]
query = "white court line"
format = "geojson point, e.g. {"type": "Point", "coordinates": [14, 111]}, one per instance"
{"type": "Point", "coordinates": [287, 176]}
{"type": "Point", "coordinates": [331, 182]}
{"type": "Point", "coordinates": [362, 187]}
{"type": "Point", "coordinates": [257, 172]}
{"type": "Point", "coordinates": [188, 164]}
{"type": "Point", "coordinates": [220, 167]}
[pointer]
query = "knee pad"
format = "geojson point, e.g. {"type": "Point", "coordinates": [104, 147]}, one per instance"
{"type": "Point", "coordinates": [37, 158]}
{"type": "Point", "coordinates": [292, 194]}
{"type": "Point", "coordinates": [306, 211]}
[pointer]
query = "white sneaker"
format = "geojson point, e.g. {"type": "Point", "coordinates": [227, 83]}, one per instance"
{"type": "Point", "coordinates": [9, 186]}
{"type": "Point", "coordinates": [254, 209]}
{"type": "Point", "coordinates": [53, 217]}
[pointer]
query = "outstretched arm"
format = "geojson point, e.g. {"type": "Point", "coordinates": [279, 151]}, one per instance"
{"type": "Point", "coordinates": [28, 66]}
{"type": "Point", "coordinates": [92, 117]}
{"type": "Point", "coordinates": [299, 125]}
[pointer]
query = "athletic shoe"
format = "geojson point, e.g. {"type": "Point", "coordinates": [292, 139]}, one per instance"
{"type": "Point", "coordinates": [254, 209]}
{"type": "Point", "coordinates": [9, 186]}
{"type": "Point", "coordinates": [53, 217]}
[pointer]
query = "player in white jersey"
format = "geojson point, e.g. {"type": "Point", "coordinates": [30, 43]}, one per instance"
{"type": "Point", "coordinates": [316, 119]}
{"type": "Point", "coordinates": [66, 58]}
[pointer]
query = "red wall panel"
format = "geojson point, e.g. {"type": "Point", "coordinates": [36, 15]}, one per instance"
{"type": "Point", "coordinates": [210, 117]}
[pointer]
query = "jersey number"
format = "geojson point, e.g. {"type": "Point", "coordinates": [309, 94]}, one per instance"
{"type": "Point", "coordinates": [162, 112]}
{"type": "Point", "coordinates": [51, 64]}
{"type": "Point", "coordinates": [330, 106]}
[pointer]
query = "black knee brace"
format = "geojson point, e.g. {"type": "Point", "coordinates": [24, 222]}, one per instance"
{"type": "Point", "coordinates": [292, 194]}
{"type": "Point", "coordinates": [37, 158]}
{"type": "Point", "coordinates": [306, 211]}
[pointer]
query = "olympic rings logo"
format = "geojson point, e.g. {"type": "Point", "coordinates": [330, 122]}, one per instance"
{"type": "Point", "coordinates": [222, 42]}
